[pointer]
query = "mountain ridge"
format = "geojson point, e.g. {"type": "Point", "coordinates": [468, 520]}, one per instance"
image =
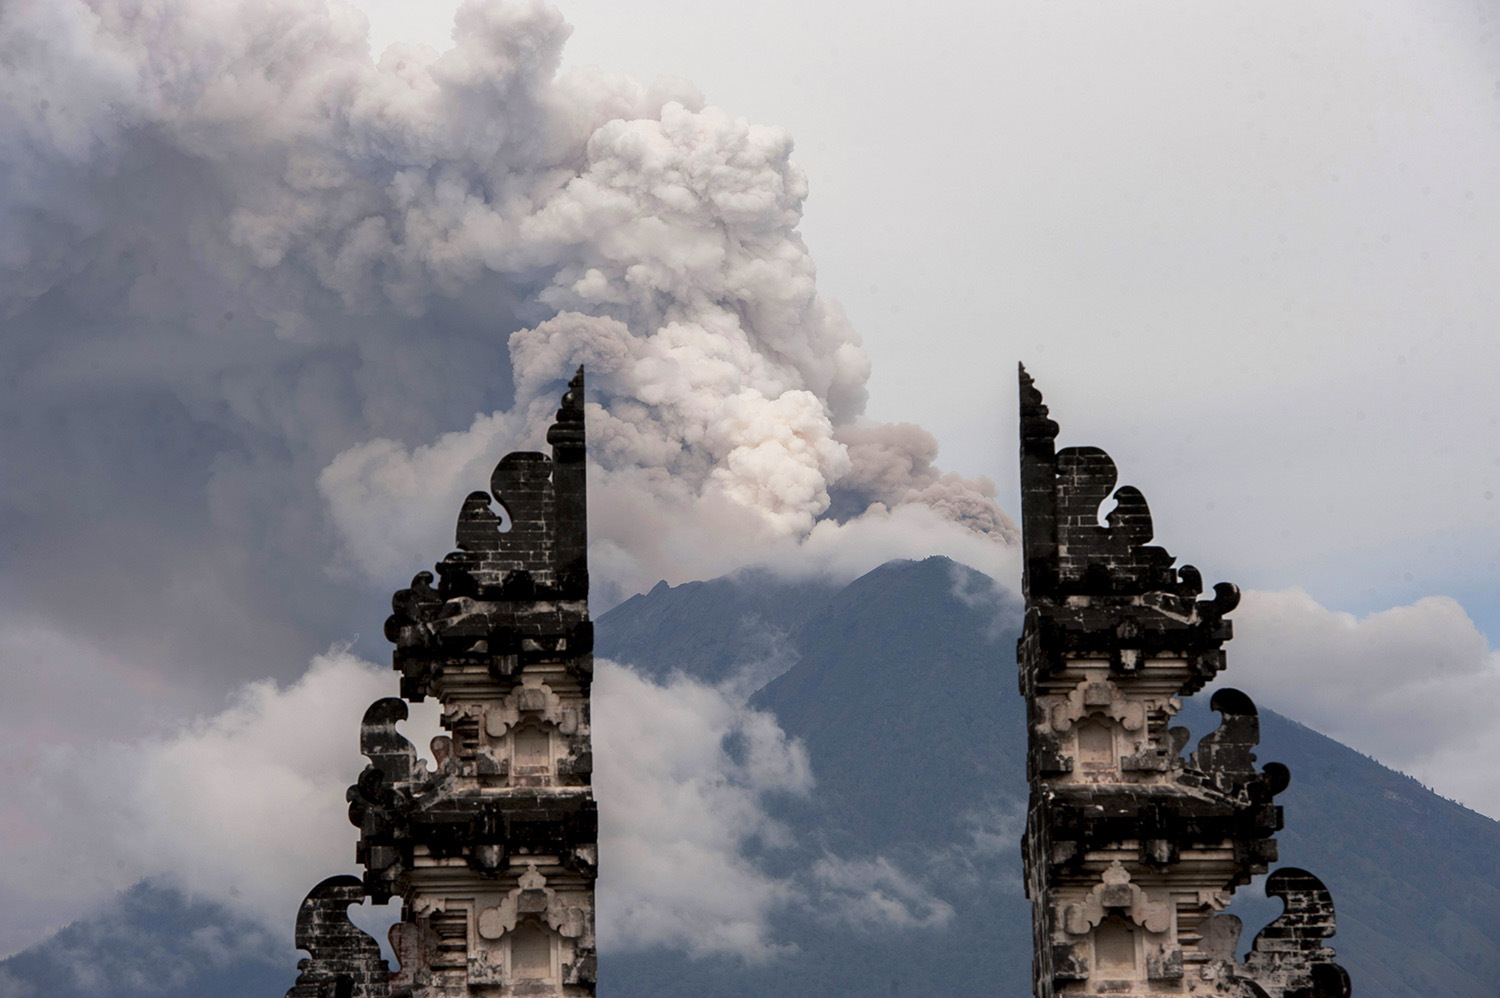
{"type": "Point", "coordinates": [901, 685]}
{"type": "Point", "coordinates": [1377, 837]}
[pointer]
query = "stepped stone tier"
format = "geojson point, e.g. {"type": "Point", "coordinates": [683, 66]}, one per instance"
{"type": "Point", "coordinates": [493, 855]}
{"type": "Point", "coordinates": [1132, 851]}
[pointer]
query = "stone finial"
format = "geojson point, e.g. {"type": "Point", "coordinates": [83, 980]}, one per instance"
{"type": "Point", "coordinates": [566, 433]}
{"type": "Point", "coordinates": [1225, 755]}
{"type": "Point", "coordinates": [345, 961]}
{"type": "Point", "coordinates": [1038, 488]}
{"type": "Point", "coordinates": [1288, 958]}
{"type": "Point", "coordinates": [1035, 426]}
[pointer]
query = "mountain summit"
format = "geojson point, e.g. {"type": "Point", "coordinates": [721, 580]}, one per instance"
{"type": "Point", "coordinates": [902, 685]}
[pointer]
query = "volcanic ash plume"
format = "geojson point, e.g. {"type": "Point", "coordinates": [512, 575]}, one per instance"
{"type": "Point", "coordinates": [725, 391]}
{"type": "Point", "coordinates": [339, 251]}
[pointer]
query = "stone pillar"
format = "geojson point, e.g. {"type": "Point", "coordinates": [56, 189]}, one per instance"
{"type": "Point", "coordinates": [493, 855]}
{"type": "Point", "coordinates": [1131, 851]}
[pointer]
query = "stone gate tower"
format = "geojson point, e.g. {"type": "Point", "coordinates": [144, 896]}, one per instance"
{"type": "Point", "coordinates": [1132, 851]}
{"type": "Point", "coordinates": [493, 856]}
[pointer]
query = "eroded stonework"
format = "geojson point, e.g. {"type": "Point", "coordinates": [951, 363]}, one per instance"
{"type": "Point", "coordinates": [1131, 851]}
{"type": "Point", "coordinates": [493, 855]}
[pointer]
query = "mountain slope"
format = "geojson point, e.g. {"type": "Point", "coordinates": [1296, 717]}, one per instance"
{"type": "Point", "coordinates": [1415, 877]}
{"type": "Point", "coordinates": [902, 687]}
{"type": "Point", "coordinates": [152, 940]}
{"type": "Point", "coordinates": [898, 686]}
{"type": "Point", "coordinates": [712, 630]}
{"type": "Point", "coordinates": [905, 717]}
{"type": "Point", "coordinates": [905, 694]}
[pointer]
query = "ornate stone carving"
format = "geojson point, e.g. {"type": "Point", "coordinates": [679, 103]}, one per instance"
{"type": "Point", "coordinates": [493, 853]}
{"type": "Point", "coordinates": [345, 962]}
{"type": "Point", "coordinates": [1132, 851]}
{"type": "Point", "coordinates": [1115, 892]}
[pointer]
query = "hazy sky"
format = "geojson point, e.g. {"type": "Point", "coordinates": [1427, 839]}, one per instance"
{"type": "Point", "coordinates": [1249, 248]}
{"type": "Point", "coordinates": [279, 283]}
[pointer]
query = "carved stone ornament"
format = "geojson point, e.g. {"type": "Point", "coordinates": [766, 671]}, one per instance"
{"type": "Point", "coordinates": [493, 852]}
{"type": "Point", "coordinates": [1115, 892]}
{"type": "Point", "coordinates": [1115, 637]}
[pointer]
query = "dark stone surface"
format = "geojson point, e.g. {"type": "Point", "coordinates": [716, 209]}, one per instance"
{"type": "Point", "coordinates": [508, 597]}
{"type": "Point", "coordinates": [345, 962]}
{"type": "Point", "coordinates": [1288, 956]}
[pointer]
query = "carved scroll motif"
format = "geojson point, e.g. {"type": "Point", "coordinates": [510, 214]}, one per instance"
{"type": "Point", "coordinates": [1288, 957]}
{"type": "Point", "coordinates": [344, 960]}
{"type": "Point", "coordinates": [1225, 755]}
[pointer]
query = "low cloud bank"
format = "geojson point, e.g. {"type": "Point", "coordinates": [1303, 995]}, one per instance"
{"type": "Point", "coordinates": [247, 808]}
{"type": "Point", "coordinates": [681, 773]}
{"type": "Point", "coordinates": [1416, 686]}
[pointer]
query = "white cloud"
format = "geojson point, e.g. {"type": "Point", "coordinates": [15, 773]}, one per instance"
{"type": "Point", "coordinates": [52, 675]}
{"type": "Point", "coordinates": [681, 769]}
{"type": "Point", "coordinates": [876, 894]}
{"type": "Point", "coordinates": [247, 807]}
{"type": "Point", "coordinates": [1416, 686]}
{"type": "Point", "coordinates": [398, 510]}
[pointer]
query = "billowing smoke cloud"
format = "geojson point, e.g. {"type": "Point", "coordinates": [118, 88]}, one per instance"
{"type": "Point", "coordinates": [272, 306]}
{"type": "Point", "coordinates": [1417, 686]}
{"type": "Point", "coordinates": [893, 465]}
{"type": "Point", "coordinates": [257, 285]}
{"type": "Point", "coordinates": [728, 387]}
